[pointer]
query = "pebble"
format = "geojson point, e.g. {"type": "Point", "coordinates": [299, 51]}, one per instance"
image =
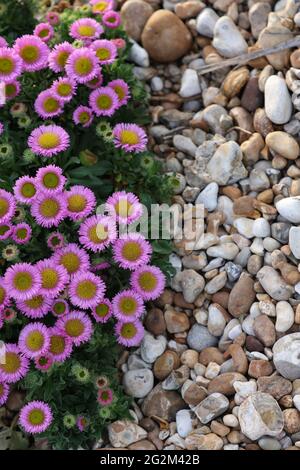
{"type": "Point", "coordinates": [224, 383]}
{"type": "Point", "coordinates": [139, 55]}
{"type": "Point", "coordinates": [134, 14]}
{"type": "Point", "coordinates": [289, 208]}
{"type": "Point", "coordinates": [184, 423]}
{"type": "Point", "coordinates": [176, 322]}
{"type": "Point", "coordinates": [296, 401]}
{"type": "Point", "coordinates": [190, 85]}
{"type": "Point", "coordinates": [204, 442]}
{"type": "Point", "coordinates": [124, 433]}
{"type": "Point", "coordinates": [184, 144]}
{"type": "Point", "coordinates": [284, 316]}
{"type": "Point", "coordinates": [283, 144]}
{"type": "Point", "coordinates": [211, 407]}
{"type": "Point", "coordinates": [162, 403]}
{"type": "Point", "coordinates": [275, 385]}
{"type": "Point", "coordinates": [291, 420]}
{"type": "Point", "coordinates": [258, 16]}
{"type": "Point", "coordinates": [294, 241]}
{"type": "Point", "coordinates": [241, 296]}
{"type": "Point", "coordinates": [165, 364]}
{"type": "Point", "coordinates": [273, 284]}
{"type": "Point", "coordinates": [264, 330]}
{"type": "Point", "coordinates": [206, 21]}
{"type": "Point", "coordinates": [157, 84]}
{"type": "Point", "coordinates": [216, 320]}
{"type": "Point", "coordinates": [152, 348]}
{"type": "Point", "coordinates": [190, 283]}
{"type": "Point", "coordinates": [209, 197]}
{"type": "Point", "coordinates": [200, 338]}
{"type": "Point", "coordinates": [231, 421]}
{"type": "Point", "coordinates": [286, 356]}
{"type": "Point", "coordinates": [138, 383]}
{"type": "Point", "coordinates": [226, 165]}
{"type": "Point", "coordinates": [226, 251]}
{"type": "Point", "coordinates": [269, 443]}
{"type": "Point", "coordinates": [155, 322]}
{"type": "Point", "coordinates": [278, 103]}
{"type": "Point", "coordinates": [261, 228]}
{"type": "Point", "coordinates": [227, 38]}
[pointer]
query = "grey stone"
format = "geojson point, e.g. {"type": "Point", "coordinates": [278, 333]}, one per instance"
{"type": "Point", "coordinates": [200, 338]}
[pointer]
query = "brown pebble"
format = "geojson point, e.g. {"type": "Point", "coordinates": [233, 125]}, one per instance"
{"type": "Point", "coordinates": [291, 420]}
{"type": "Point", "coordinates": [232, 192]}
{"type": "Point", "coordinates": [223, 383]}
{"type": "Point", "coordinates": [275, 386]}
{"type": "Point", "coordinates": [253, 344]}
{"type": "Point", "coordinates": [221, 298]}
{"type": "Point", "coordinates": [252, 97]}
{"type": "Point", "coordinates": [219, 428]}
{"type": "Point", "coordinates": [295, 58]}
{"type": "Point", "coordinates": [262, 123]}
{"type": "Point", "coordinates": [176, 322]}
{"type": "Point", "coordinates": [211, 354]}
{"type": "Point", "coordinates": [242, 296]}
{"type": "Point", "coordinates": [259, 368]}
{"type": "Point", "coordinates": [165, 363]}
{"type": "Point", "coordinates": [244, 206]}
{"type": "Point", "coordinates": [265, 330]}
{"type": "Point", "coordinates": [155, 322]}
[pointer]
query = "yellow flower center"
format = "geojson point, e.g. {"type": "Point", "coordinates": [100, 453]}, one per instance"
{"type": "Point", "coordinates": [4, 229]}
{"type": "Point", "coordinates": [128, 330]}
{"type": "Point", "coordinates": [64, 89]}
{"type": "Point", "coordinates": [49, 278]}
{"type": "Point", "coordinates": [71, 262]}
{"type": "Point", "coordinates": [99, 7]}
{"type": "Point", "coordinates": [6, 65]}
{"type": "Point", "coordinates": [104, 102]}
{"type": "Point", "coordinates": [50, 105]}
{"type": "Point", "coordinates": [129, 137]}
{"type": "Point", "coordinates": [43, 33]}
{"type": "Point", "coordinates": [76, 203]}
{"type": "Point", "coordinates": [28, 190]}
{"type": "Point", "coordinates": [36, 417]}
{"type": "Point", "coordinates": [86, 30]}
{"type": "Point", "coordinates": [123, 208]}
{"type": "Point", "coordinates": [62, 58]}
{"type": "Point", "coordinates": [98, 233]}
{"type": "Point", "coordinates": [102, 310]}
{"type": "Point", "coordinates": [48, 140]}
{"type": "Point", "coordinates": [84, 117]}
{"type": "Point", "coordinates": [128, 305]}
{"type": "Point", "coordinates": [21, 233]}
{"type": "Point", "coordinates": [4, 206]}
{"type": "Point", "coordinates": [147, 281]}
{"type": "Point", "coordinates": [74, 327]}
{"type": "Point", "coordinates": [49, 208]}
{"type": "Point", "coordinates": [57, 344]}
{"type": "Point", "coordinates": [30, 53]}
{"type": "Point", "coordinates": [12, 363]}
{"type": "Point", "coordinates": [35, 302]}
{"type": "Point", "coordinates": [2, 295]}
{"type": "Point", "coordinates": [23, 281]}
{"type": "Point", "coordinates": [131, 251]}
{"type": "Point", "coordinates": [86, 290]}
{"type": "Point", "coordinates": [10, 89]}
{"type": "Point", "coordinates": [120, 91]}
{"type": "Point", "coordinates": [83, 66]}
{"type": "Point", "coordinates": [35, 340]}
{"type": "Point", "coordinates": [59, 308]}
{"type": "Point", "coordinates": [51, 180]}
{"type": "Point", "coordinates": [103, 53]}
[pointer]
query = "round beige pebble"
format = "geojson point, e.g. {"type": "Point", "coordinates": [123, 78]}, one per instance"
{"type": "Point", "coordinates": [283, 144]}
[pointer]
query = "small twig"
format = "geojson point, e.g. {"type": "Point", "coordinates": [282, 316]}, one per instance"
{"type": "Point", "coordinates": [237, 128]}
{"type": "Point", "coordinates": [173, 131]}
{"type": "Point", "coordinates": [248, 56]}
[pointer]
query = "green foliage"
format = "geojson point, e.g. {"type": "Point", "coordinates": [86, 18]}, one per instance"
{"type": "Point", "coordinates": [17, 18]}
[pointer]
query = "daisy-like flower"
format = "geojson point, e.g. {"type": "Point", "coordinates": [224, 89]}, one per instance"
{"type": "Point", "coordinates": [44, 31]}
{"type": "Point", "coordinates": [129, 333]}
{"type": "Point", "coordinates": [10, 65]}
{"type": "Point", "coordinates": [33, 52]}
{"type": "Point", "coordinates": [18, 109]}
{"type": "Point", "coordinates": [86, 29]}
{"type": "Point", "coordinates": [20, 215]}
{"type": "Point", "coordinates": [60, 307]}
{"type": "Point", "coordinates": [148, 281]}
{"type": "Point", "coordinates": [82, 374]}
{"type": "Point", "coordinates": [4, 298]}
{"type": "Point", "coordinates": [34, 340]}
{"type": "Point", "coordinates": [111, 19]}
{"type": "Point", "coordinates": [97, 233]}
{"type": "Point", "coordinates": [48, 140]}
{"type": "Point", "coordinates": [43, 362]}
{"type": "Point", "coordinates": [81, 201]}
{"type": "Point", "coordinates": [55, 241]}
{"type": "Point", "coordinates": [10, 253]}
{"type": "Point", "coordinates": [101, 6]}
{"type": "Point", "coordinates": [128, 305]}
{"type": "Point", "coordinates": [119, 42]}
{"type": "Point", "coordinates": [124, 207]}
{"type": "Point", "coordinates": [82, 65]}
{"type": "Point", "coordinates": [82, 423]}
{"type": "Point", "coordinates": [104, 101]}
{"type": "Point", "coordinates": [103, 311]}
{"type": "Point", "coordinates": [122, 90]}
{"type": "Point", "coordinates": [105, 396]}
{"type": "Point", "coordinates": [63, 89]}
{"type": "Point", "coordinates": [54, 277]}
{"type": "Point", "coordinates": [86, 290]}
{"type": "Point", "coordinates": [24, 121]}
{"type": "Point", "coordinates": [132, 251]}
{"type": "Point", "coordinates": [60, 345]}
{"type": "Point", "coordinates": [77, 326]}
{"type": "Point", "coordinates": [35, 307]}
{"type": "Point", "coordinates": [9, 314]}
{"type": "Point", "coordinates": [73, 258]}
{"type": "Point", "coordinates": [96, 82]}
{"type": "Point", "coordinates": [69, 421]}
{"type": "Point", "coordinates": [83, 115]}
{"type": "Point", "coordinates": [59, 55]}
{"type": "Point", "coordinates": [4, 392]}
{"type": "Point", "coordinates": [130, 137]}
{"type": "Point", "coordinates": [47, 105]}
{"type": "Point", "coordinates": [12, 89]}
{"type": "Point", "coordinates": [25, 189]}
{"type": "Point", "coordinates": [53, 18]}
{"type": "Point", "coordinates": [21, 233]}
{"type": "Point", "coordinates": [16, 365]}
{"type": "Point", "coordinates": [22, 281]}
{"type": "Point", "coordinates": [50, 179]}
{"type": "Point", "coordinates": [106, 51]}
{"type": "Point", "coordinates": [49, 209]}
{"type": "Point", "coordinates": [7, 206]}
{"type": "Point", "coordinates": [5, 231]}
{"type": "Point", "coordinates": [102, 381]}
{"type": "Point", "coordinates": [35, 417]}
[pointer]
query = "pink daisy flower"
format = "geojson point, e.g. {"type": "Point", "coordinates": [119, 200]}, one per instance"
{"type": "Point", "coordinates": [77, 326]}
{"type": "Point", "coordinates": [96, 82]}
{"type": "Point", "coordinates": [4, 298]}
{"type": "Point", "coordinates": [53, 18]}
{"type": "Point", "coordinates": [86, 29]}
{"type": "Point", "coordinates": [21, 233]}
{"type": "Point", "coordinates": [59, 55]}
{"type": "Point", "coordinates": [122, 90]}
{"type": "Point", "coordinates": [124, 207]}
{"type": "Point", "coordinates": [101, 6]}
{"type": "Point", "coordinates": [48, 141]}
{"type": "Point", "coordinates": [3, 42]}
{"type": "Point", "coordinates": [60, 307]}
{"type": "Point", "coordinates": [130, 137]}
{"type": "Point", "coordinates": [4, 392]}
{"type": "Point", "coordinates": [129, 333]}
{"type": "Point", "coordinates": [43, 362]}
{"type": "Point", "coordinates": [105, 396]}
{"type": "Point", "coordinates": [83, 115]}
{"type": "Point", "coordinates": [33, 52]}
{"type": "Point", "coordinates": [55, 241]}
{"type": "Point", "coordinates": [50, 179]}
{"type": "Point", "coordinates": [128, 305]}
{"type": "Point", "coordinates": [34, 340]}
{"type": "Point", "coordinates": [103, 311]}
{"type": "Point", "coordinates": [82, 423]}
{"type": "Point", "coordinates": [63, 89]}
{"type": "Point", "coordinates": [12, 89]}
{"type": "Point", "coordinates": [10, 65]}
{"type": "Point", "coordinates": [7, 206]}
{"type": "Point", "coordinates": [25, 189]}
{"type": "Point", "coordinates": [86, 290]}
{"type": "Point", "coordinates": [104, 101]}
{"type": "Point", "coordinates": [22, 281]}
{"type": "Point", "coordinates": [100, 266]}
{"type": "Point", "coordinates": [5, 231]}
{"type": "Point", "coordinates": [9, 314]}
{"type": "Point", "coordinates": [132, 251]}
{"type": "Point", "coordinates": [49, 209]}
{"type": "Point", "coordinates": [44, 31]}
{"type": "Point", "coordinates": [47, 105]}
{"type": "Point", "coordinates": [106, 51]}
{"type": "Point", "coordinates": [35, 417]}
{"type": "Point", "coordinates": [73, 258]}
{"type": "Point", "coordinates": [81, 201]}
{"type": "Point", "coordinates": [82, 65]}
{"type": "Point", "coordinates": [97, 233]}
{"type": "Point", "coordinates": [111, 19]}
{"type": "Point", "coordinates": [54, 277]}
{"type": "Point", "coordinates": [60, 345]}
{"type": "Point", "coordinates": [148, 281]}
{"type": "Point", "coordinates": [119, 42]}
{"type": "Point", "coordinates": [16, 365]}
{"type": "Point", "coordinates": [36, 307]}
